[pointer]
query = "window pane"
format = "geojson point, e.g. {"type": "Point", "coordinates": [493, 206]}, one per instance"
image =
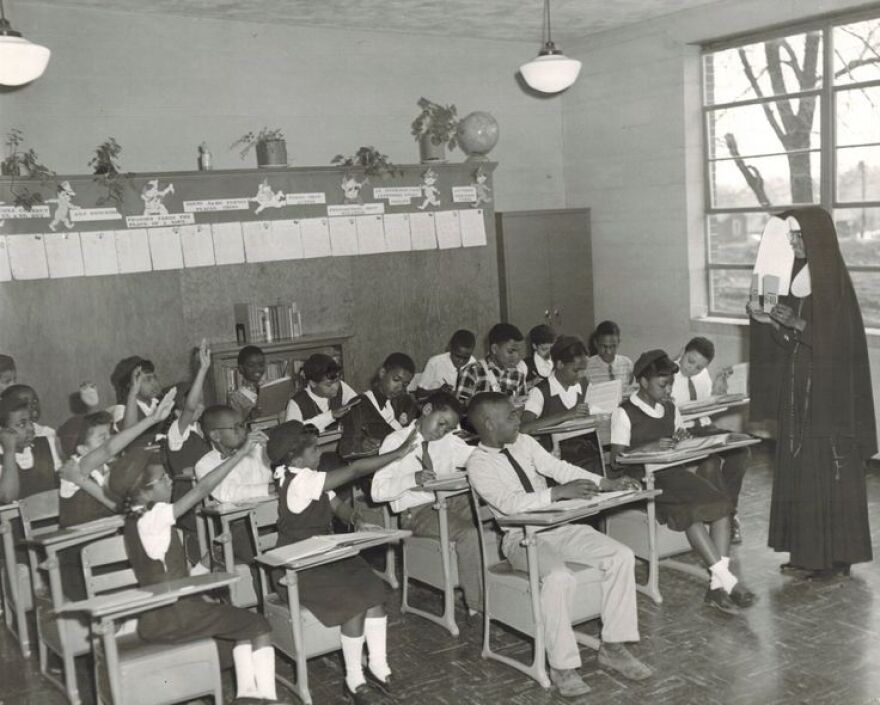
{"type": "Point", "coordinates": [785, 180]}
{"type": "Point", "coordinates": [858, 230]}
{"type": "Point", "coordinates": [856, 51]}
{"type": "Point", "coordinates": [730, 290]}
{"type": "Point", "coordinates": [733, 74]}
{"type": "Point", "coordinates": [867, 286]}
{"type": "Point", "coordinates": [857, 116]}
{"type": "Point", "coordinates": [734, 237]}
{"type": "Point", "coordinates": [750, 130]}
{"type": "Point", "coordinates": [858, 174]}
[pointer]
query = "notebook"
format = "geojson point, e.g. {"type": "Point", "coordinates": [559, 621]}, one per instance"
{"type": "Point", "coordinates": [274, 395]}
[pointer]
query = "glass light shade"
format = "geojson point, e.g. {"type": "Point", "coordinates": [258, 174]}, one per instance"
{"type": "Point", "coordinates": [21, 61]}
{"type": "Point", "coordinates": [550, 73]}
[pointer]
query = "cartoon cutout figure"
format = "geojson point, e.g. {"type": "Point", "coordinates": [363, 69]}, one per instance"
{"type": "Point", "coordinates": [429, 190]}
{"type": "Point", "coordinates": [481, 188]}
{"type": "Point", "coordinates": [267, 198]}
{"type": "Point", "coordinates": [351, 189]}
{"type": "Point", "coordinates": [62, 212]}
{"type": "Point", "coordinates": [152, 197]}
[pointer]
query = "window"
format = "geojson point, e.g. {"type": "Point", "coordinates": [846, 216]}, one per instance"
{"type": "Point", "coordinates": [793, 118]}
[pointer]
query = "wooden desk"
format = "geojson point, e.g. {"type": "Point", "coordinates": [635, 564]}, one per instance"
{"type": "Point", "coordinates": [14, 607]}
{"type": "Point", "coordinates": [693, 410]}
{"type": "Point", "coordinates": [600, 423]}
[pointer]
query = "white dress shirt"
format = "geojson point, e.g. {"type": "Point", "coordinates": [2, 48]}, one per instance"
{"type": "Point", "coordinates": [440, 370]}
{"type": "Point", "coordinates": [681, 395]}
{"type": "Point", "coordinates": [249, 479]}
{"type": "Point", "coordinates": [325, 418]}
{"type": "Point", "coordinates": [621, 428]}
{"type": "Point", "coordinates": [542, 366]}
{"type": "Point", "coordinates": [396, 482]}
{"type": "Point", "coordinates": [306, 487]}
{"type": "Point", "coordinates": [154, 530]}
{"type": "Point", "coordinates": [567, 395]}
{"type": "Point", "coordinates": [622, 366]}
{"type": "Point", "coordinates": [493, 477]}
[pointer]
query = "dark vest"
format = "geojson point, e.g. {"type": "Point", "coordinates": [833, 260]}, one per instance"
{"type": "Point", "coordinates": [647, 429]}
{"type": "Point", "coordinates": [309, 409]}
{"type": "Point", "coordinates": [553, 405]}
{"type": "Point", "coordinates": [146, 570]}
{"type": "Point", "coordinates": [314, 520]}
{"type": "Point", "coordinates": [80, 508]}
{"type": "Point", "coordinates": [42, 476]}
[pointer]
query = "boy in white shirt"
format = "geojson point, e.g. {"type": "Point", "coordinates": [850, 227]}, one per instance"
{"type": "Point", "coordinates": [441, 371]}
{"type": "Point", "coordinates": [607, 365]}
{"type": "Point", "coordinates": [325, 398]}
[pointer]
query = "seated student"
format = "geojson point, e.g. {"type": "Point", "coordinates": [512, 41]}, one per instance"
{"type": "Point", "coordinates": [344, 593]}
{"type": "Point", "coordinates": [499, 371]}
{"type": "Point", "coordinates": [325, 398]}
{"type": "Point", "coordinates": [251, 367]}
{"type": "Point", "coordinates": [507, 470]}
{"type": "Point", "coordinates": [538, 362]}
{"type": "Point", "coordinates": [28, 461]}
{"type": "Point", "coordinates": [693, 382]}
{"type": "Point", "coordinates": [28, 394]}
{"type": "Point", "coordinates": [137, 392]}
{"type": "Point", "coordinates": [438, 453]}
{"type": "Point", "coordinates": [689, 501]}
{"type": "Point", "coordinates": [156, 555]}
{"type": "Point", "coordinates": [374, 417]}
{"type": "Point", "coordinates": [561, 397]}
{"type": "Point", "coordinates": [606, 365]}
{"type": "Point", "coordinates": [441, 371]}
{"type": "Point", "coordinates": [8, 372]}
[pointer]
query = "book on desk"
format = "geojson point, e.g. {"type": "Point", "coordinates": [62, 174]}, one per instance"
{"type": "Point", "coordinates": [715, 401]}
{"type": "Point", "coordinates": [699, 446]}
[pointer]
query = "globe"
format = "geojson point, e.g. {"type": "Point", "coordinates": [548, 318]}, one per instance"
{"type": "Point", "coordinates": [477, 134]}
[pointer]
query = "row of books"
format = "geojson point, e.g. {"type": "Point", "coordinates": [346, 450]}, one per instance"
{"type": "Point", "coordinates": [262, 324]}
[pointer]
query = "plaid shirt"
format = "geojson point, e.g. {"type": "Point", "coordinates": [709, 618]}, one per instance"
{"type": "Point", "coordinates": [473, 379]}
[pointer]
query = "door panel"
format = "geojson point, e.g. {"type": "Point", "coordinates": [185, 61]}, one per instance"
{"type": "Point", "coordinates": [523, 270]}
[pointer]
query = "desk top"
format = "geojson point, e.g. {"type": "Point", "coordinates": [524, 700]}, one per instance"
{"type": "Point", "coordinates": [80, 533]}
{"type": "Point", "coordinates": [573, 510]}
{"type": "Point", "coordinates": [221, 509]}
{"type": "Point", "coordinates": [447, 483]}
{"type": "Point", "coordinates": [587, 423]}
{"type": "Point", "coordinates": [328, 548]}
{"type": "Point", "coordinates": [711, 405]}
{"type": "Point", "coordinates": [651, 454]}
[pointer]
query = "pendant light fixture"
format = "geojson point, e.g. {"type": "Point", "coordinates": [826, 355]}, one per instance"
{"type": "Point", "coordinates": [20, 60]}
{"type": "Point", "coordinates": [551, 71]}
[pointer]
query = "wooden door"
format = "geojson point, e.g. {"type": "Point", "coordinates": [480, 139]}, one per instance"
{"type": "Point", "coordinates": [523, 270]}
{"type": "Point", "coordinates": [571, 272]}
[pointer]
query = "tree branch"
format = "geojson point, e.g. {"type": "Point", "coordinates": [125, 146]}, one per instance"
{"type": "Point", "coordinates": [750, 75]}
{"type": "Point", "coordinates": [750, 173]}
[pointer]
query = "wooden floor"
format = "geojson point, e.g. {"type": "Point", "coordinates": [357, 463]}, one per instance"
{"type": "Point", "coordinates": [802, 643]}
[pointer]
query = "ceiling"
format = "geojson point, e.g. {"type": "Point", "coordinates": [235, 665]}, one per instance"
{"type": "Point", "coordinates": [518, 20]}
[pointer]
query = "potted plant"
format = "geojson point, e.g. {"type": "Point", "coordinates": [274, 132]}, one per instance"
{"type": "Point", "coordinates": [106, 172]}
{"type": "Point", "coordinates": [371, 160]}
{"type": "Point", "coordinates": [434, 129]}
{"type": "Point", "coordinates": [270, 146]}
{"type": "Point", "coordinates": [19, 162]}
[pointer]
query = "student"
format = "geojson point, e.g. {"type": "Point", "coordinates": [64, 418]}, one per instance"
{"type": "Point", "coordinates": [561, 397]}
{"type": "Point", "coordinates": [538, 363]}
{"type": "Point", "coordinates": [438, 453]}
{"type": "Point", "coordinates": [499, 371]}
{"type": "Point", "coordinates": [251, 367]}
{"type": "Point", "coordinates": [606, 365]}
{"type": "Point", "coordinates": [344, 593]}
{"type": "Point", "coordinates": [689, 500]}
{"type": "Point", "coordinates": [156, 555]}
{"type": "Point", "coordinates": [8, 372]}
{"type": "Point", "coordinates": [137, 392]}
{"type": "Point", "coordinates": [31, 462]}
{"type": "Point", "coordinates": [693, 382]}
{"type": "Point", "coordinates": [507, 470]}
{"type": "Point", "coordinates": [28, 394]}
{"type": "Point", "coordinates": [325, 398]}
{"type": "Point", "coordinates": [441, 371]}
{"type": "Point", "coordinates": [374, 417]}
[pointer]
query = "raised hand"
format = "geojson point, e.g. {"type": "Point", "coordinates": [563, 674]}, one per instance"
{"type": "Point", "coordinates": [204, 354]}
{"type": "Point", "coordinates": [164, 408]}
{"type": "Point", "coordinates": [254, 439]}
{"type": "Point", "coordinates": [407, 446]}
{"type": "Point", "coordinates": [8, 440]}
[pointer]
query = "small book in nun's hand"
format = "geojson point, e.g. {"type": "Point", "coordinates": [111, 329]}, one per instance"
{"type": "Point", "coordinates": [771, 292]}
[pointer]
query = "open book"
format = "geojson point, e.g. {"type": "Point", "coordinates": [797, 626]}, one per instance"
{"type": "Point", "coordinates": [274, 395]}
{"type": "Point", "coordinates": [566, 505]}
{"type": "Point", "coordinates": [691, 407]}
{"type": "Point", "coordinates": [604, 397]}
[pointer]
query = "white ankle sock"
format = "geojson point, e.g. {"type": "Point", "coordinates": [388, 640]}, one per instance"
{"type": "Point", "coordinates": [352, 649]}
{"type": "Point", "coordinates": [264, 672]}
{"type": "Point", "coordinates": [375, 631]}
{"type": "Point", "coordinates": [245, 680]}
{"type": "Point", "coordinates": [721, 575]}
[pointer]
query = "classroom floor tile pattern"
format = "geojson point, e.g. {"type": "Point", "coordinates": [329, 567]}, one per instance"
{"type": "Point", "coordinates": [803, 643]}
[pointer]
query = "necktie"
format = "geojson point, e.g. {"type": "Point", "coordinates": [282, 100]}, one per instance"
{"type": "Point", "coordinates": [520, 473]}
{"type": "Point", "coordinates": [425, 460]}
{"type": "Point", "coordinates": [692, 390]}
{"type": "Point", "coordinates": [610, 372]}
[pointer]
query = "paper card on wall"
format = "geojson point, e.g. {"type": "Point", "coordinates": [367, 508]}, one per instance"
{"type": "Point", "coordinates": [343, 237]}
{"type": "Point", "coordinates": [5, 271]}
{"type": "Point", "coordinates": [133, 251]}
{"type": "Point", "coordinates": [288, 239]}
{"type": "Point", "coordinates": [197, 245]}
{"type": "Point", "coordinates": [464, 194]}
{"type": "Point", "coordinates": [315, 237]}
{"type": "Point", "coordinates": [397, 237]}
{"type": "Point", "coordinates": [257, 236]}
{"type": "Point", "coordinates": [27, 257]}
{"type": "Point", "coordinates": [421, 227]}
{"type": "Point", "coordinates": [448, 229]}
{"type": "Point", "coordinates": [370, 234]}
{"type": "Point", "coordinates": [228, 245]}
{"type": "Point", "coordinates": [473, 228]}
{"type": "Point", "coordinates": [99, 253]}
{"type": "Point", "coordinates": [165, 248]}
{"type": "Point", "coordinates": [64, 255]}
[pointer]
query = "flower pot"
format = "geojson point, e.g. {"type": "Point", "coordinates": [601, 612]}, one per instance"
{"type": "Point", "coordinates": [271, 153]}
{"type": "Point", "coordinates": [430, 152]}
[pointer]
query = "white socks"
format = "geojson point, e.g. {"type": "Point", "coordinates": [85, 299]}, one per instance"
{"type": "Point", "coordinates": [245, 679]}
{"type": "Point", "coordinates": [375, 631]}
{"type": "Point", "coordinates": [721, 575]}
{"type": "Point", "coordinates": [264, 672]}
{"type": "Point", "coordinates": [352, 648]}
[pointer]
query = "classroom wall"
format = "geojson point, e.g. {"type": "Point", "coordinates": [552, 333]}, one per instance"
{"type": "Point", "coordinates": [162, 84]}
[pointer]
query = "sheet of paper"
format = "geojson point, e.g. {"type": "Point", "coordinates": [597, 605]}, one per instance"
{"type": "Point", "coordinates": [64, 255]}
{"type": "Point", "coordinates": [133, 251]}
{"type": "Point", "coordinates": [738, 382]}
{"type": "Point", "coordinates": [165, 248]}
{"type": "Point", "coordinates": [258, 243]}
{"type": "Point", "coordinates": [604, 397]}
{"type": "Point", "coordinates": [343, 237]}
{"type": "Point", "coordinates": [197, 245]}
{"type": "Point", "coordinates": [775, 255]}
{"type": "Point", "coordinates": [99, 253]}
{"type": "Point", "coordinates": [27, 257]}
{"type": "Point", "coordinates": [567, 505]}
{"type": "Point", "coordinates": [315, 237]}
{"type": "Point", "coordinates": [5, 271]}
{"type": "Point", "coordinates": [448, 229]}
{"type": "Point", "coordinates": [228, 245]}
{"type": "Point", "coordinates": [397, 237]}
{"type": "Point", "coordinates": [370, 234]}
{"type": "Point", "coordinates": [287, 239]}
{"type": "Point", "coordinates": [424, 235]}
{"type": "Point", "coordinates": [473, 227]}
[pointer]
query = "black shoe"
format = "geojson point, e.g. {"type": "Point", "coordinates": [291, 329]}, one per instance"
{"type": "Point", "coordinates": [386, 686]}
{"type": "Point", "coordinates": [795, 570]}
{"type": "Point", "coordinates": [721, 601]}
{"type": "Point", "coordinates": [362, 695]}
{"type": "Point", "coordinates": [736, 537]}
{"type": "Point", "coordinates": [842, 569]}
{"type": "Point", "coordinates": [741, 596]}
